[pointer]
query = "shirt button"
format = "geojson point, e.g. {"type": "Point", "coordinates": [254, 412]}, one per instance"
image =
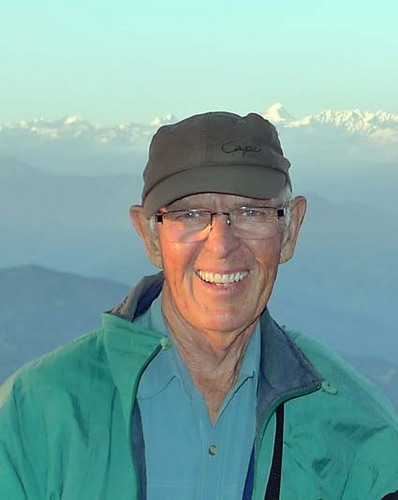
{"type": "Point", "coordinates": [212, 450]}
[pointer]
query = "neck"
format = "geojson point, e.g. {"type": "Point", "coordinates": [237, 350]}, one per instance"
{"type": "Point", "coordinates": [213, 358]}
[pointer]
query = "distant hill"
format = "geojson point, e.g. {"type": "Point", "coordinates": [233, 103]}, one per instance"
{"type": "Point", "coordinates": [67, 222]}
{"type": "Point", "coordinates": [41, 309]}
{"type": "Point", "coordinates": [341, 285]}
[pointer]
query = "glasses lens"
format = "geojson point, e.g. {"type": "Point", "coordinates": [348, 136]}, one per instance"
{"type": "Point", "coordinates": [187, 226]}
{"type": "Point", "coordinates": [255, 223]}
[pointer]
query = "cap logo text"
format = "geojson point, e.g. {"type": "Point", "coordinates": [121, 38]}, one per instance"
{"type": "Point", "coordinates": [234, 146]}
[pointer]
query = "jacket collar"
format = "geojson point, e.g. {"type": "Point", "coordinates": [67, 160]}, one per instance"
{"type": "Point", "coordinates": [284, 369]}
{"type": "Point", "coordinates": [129, 348]}
{"type": "Point", "coordinates": [140, 298]}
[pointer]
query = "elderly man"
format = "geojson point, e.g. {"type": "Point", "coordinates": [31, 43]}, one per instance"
{"type": "Point", "coordinates": [190, 390]}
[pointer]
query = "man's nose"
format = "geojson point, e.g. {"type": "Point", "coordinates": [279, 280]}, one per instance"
{"type": "Point", "coordinates": [221, 237]}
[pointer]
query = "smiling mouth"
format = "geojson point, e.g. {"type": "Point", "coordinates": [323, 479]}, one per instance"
{"type": "Point", "coordinates": [222, 279]}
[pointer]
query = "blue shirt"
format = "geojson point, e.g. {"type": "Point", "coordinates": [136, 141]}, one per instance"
{"type": "Point", "coordinates": [187, 457]}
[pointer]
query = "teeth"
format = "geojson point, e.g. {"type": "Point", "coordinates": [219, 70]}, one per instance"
{"type": "Point", "coordinates": [221, 279]}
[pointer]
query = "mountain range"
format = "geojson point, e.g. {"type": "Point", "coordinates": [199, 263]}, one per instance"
{"type": "Point", "coordinates": [377, 125]}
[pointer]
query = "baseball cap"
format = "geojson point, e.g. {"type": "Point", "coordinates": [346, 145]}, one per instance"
{"type": "Point", "coordinates": [218, 152]}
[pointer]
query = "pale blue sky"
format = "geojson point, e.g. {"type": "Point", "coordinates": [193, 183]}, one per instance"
{"type": "Point", "coordinates": [138, 59]}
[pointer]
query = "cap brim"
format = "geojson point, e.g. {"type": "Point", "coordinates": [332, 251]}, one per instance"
{"type": "Point", "coordinates": [250, 181]}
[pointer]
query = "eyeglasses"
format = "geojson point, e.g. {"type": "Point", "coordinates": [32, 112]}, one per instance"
{"type": "Point", "coordinates": [187, 226]}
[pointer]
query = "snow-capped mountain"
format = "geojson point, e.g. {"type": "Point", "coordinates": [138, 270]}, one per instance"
{"type": "Point", "coordinates": [379, 125]}
{"type": "Point", "coordinates": [277, 113]}
{"type": "Point", "coordinates": [75, 128]}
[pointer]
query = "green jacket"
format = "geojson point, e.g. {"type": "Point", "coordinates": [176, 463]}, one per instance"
{"type": "Point", "coordinates": [70, 428]}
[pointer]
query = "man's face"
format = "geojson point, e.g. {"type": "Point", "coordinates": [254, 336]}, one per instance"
{"type": "Point", "coordinates": [223, 283]}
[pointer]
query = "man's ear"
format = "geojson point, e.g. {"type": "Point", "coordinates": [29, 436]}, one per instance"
{"type": "Point", "coordinates": [298, 207]}
{"type": "Point", "coordinates": [148, 235]}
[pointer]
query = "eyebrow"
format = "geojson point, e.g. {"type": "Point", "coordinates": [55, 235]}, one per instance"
{"type": "Point", "coordinates": [189, 205]}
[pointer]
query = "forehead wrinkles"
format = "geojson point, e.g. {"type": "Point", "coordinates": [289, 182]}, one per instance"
{"type": "Point", "coordinates": [216, 201]}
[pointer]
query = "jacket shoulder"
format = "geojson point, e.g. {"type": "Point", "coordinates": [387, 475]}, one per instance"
{"type": "Point", "coordinates": [64, 366]}
{"type": "Point", "coordinates": [342, 378]}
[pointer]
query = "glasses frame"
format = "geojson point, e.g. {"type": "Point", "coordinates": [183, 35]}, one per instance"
{"type": "Point", "coordinates": [280, 212]}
